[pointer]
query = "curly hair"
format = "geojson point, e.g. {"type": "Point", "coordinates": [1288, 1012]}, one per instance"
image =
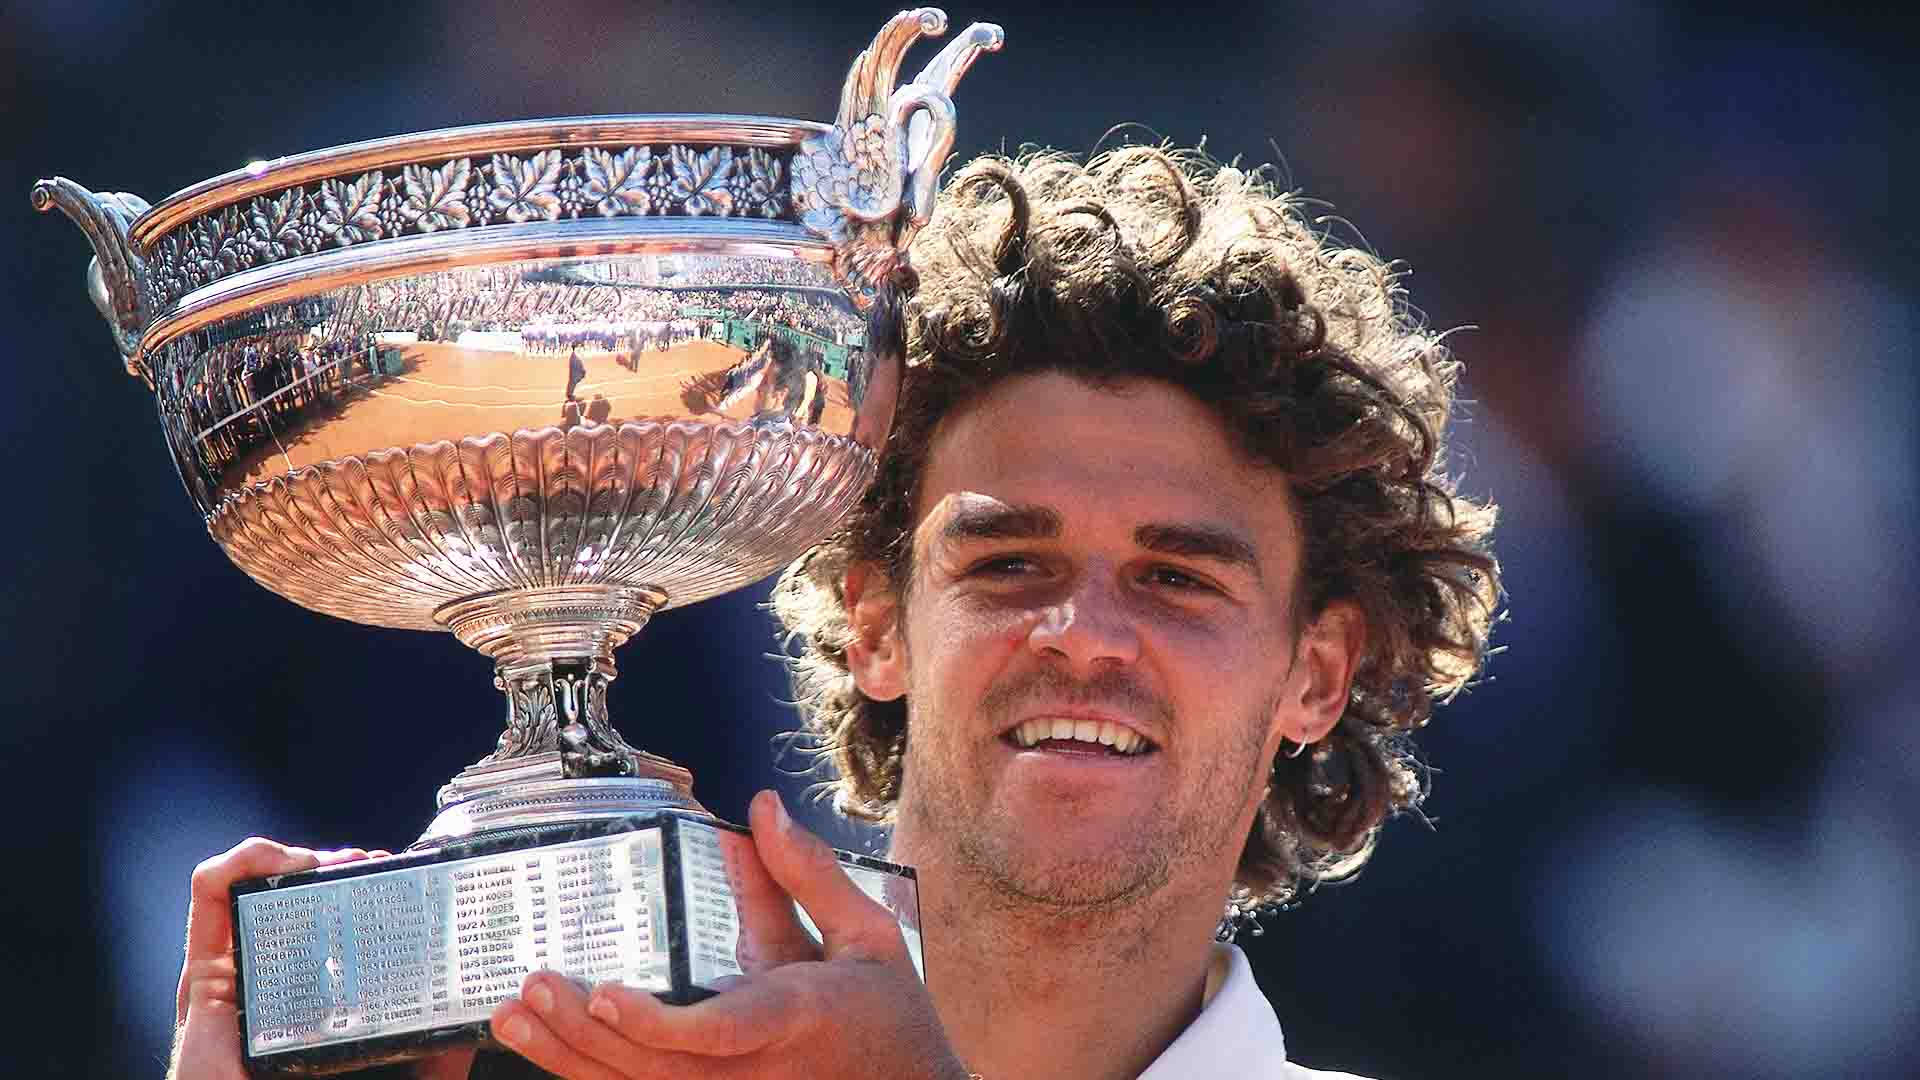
{"type": "Point", "coordinates": [1148, 263]}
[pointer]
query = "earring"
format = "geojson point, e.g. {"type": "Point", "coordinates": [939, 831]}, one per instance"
{"type": "Point", "coordinates": [1298, 748]}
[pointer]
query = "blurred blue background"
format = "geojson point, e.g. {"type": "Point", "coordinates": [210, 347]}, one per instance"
{"type": "Point", "coordinates": [1673, 830]}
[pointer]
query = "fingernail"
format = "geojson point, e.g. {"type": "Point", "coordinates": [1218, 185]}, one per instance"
{"type": "Point", "coordinates": [516, 1031]}
{"type": "Point", "coordinates": [539, 997]}
{"type": "Point", "coordinates": [780, 815]}
{"type": "Point", "coordinates": [602, 1009]}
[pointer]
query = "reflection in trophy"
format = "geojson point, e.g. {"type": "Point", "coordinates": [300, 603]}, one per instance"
{"type": "Point", "coordinates": [530, 383]}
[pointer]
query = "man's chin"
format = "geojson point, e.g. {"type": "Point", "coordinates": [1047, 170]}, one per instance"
{"type": "Point", "coordinates": [1095, 879]}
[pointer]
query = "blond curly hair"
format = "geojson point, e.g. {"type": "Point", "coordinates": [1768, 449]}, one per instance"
{"type": "Point", "coordinates": [1144, 262]}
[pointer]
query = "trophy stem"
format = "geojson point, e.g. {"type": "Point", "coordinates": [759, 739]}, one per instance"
{"type": "Point", "coordinates": [560, 758]}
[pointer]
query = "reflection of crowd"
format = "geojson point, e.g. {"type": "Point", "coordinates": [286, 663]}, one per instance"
{"type": "Point", "coordinates": [801, 311]}
{"type": "Point", "coordinates": [734, 269]}
{"type": "Point", "coordinates": [225, 398]}
{"type": "Point", "coordinates": [625, 338]}
{"type": "Point", "coordinates": [492, 299]}
{"type": "Point", "coordinates": [232, 396]}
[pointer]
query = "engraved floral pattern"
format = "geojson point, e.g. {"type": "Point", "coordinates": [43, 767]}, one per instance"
{"type": "Point", "coordinates": [437, 198]}
{"type": "Point", "coordinates": [350, 209]}
{"type": "Point", "coordinates": [203, 259]}
{"type": "Point", "coordinates": [700, 179]}
{"type": "Point", "coordinates": [168, 268]}
{"type": "Point", "coordinates": [393, 211]}
{"type": "Point", "coordinates": [616, 182]}
{"type": "Point", "coordinates": [463, 193]}
{"type": "Point", "coordinates": [524, 190]}
{"type": "Point", "coordinates": [479, 210]}
{"type": "Point", "coordinates": [275, 226]}
{"type": "Point", "coordinates": [573, 196]}
{"type": "Point", "coordinates": [755, 185]}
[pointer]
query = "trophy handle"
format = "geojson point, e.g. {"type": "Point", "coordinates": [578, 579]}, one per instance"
{"type": "Point", "coordinates": [868, 183]}
{"type": "Point", "coordinates": [117, 277]}
{"type": "Point", "coordinates": [930, 131]}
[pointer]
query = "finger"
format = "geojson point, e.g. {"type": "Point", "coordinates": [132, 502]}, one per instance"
{"type": "Point", "coordinates": [555, 1032]}
{"type": "Point", "coordinates": [208, 894]}
{"type": "Point", "coordinates": [519, 1029]}
{"type": "Point", "coordinates": [561, 1004]}
{"type": "Point", "coordinates": [208, 970]}
{"type": "Point", "coordinates": [802, 864]}
{"type": "Point", "coordinates": [756, 1013]}
{"type": "Point", "coordinates": [209, 953]}
{"type": "Point", "coordinates": [771, 933]}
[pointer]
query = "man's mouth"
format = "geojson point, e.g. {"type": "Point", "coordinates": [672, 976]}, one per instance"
{"type": "Point", "coordinates": [1079, 736]}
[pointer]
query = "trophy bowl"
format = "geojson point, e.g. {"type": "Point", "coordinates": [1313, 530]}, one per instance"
{"type": "Point", "coordinates": [528, 382]}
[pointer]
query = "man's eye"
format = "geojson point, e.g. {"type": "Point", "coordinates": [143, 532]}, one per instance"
{"type": "Point", "coordinates": [1005, 566]}
{"type": "Point", "coordinates": [1171, 578]}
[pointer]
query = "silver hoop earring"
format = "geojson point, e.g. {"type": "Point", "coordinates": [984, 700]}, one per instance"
{"type": "Point", "coordinates": [1298, 748]}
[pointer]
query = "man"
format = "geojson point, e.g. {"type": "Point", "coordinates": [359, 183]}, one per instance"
{"type": "Point", "coordinates": [575, 371]}
{"type": "Point", "coordinates": [1159, 573]}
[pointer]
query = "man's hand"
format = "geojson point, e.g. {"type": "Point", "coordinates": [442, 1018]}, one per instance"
{"type": "Point", "coordinates": [855, 1009]}
{"type": "Point", "coordinates": [206, 1044]}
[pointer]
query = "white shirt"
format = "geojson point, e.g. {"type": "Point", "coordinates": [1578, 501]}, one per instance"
{"type": "Point", "coordinates": [1236, 1034]}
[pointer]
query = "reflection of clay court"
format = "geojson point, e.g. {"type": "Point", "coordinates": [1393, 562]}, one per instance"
{"type": "Point", "coordinates": [444, 391]}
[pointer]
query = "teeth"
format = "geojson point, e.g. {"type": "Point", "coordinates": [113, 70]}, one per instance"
{"type": "Point", "coordinates": [1097, 732]}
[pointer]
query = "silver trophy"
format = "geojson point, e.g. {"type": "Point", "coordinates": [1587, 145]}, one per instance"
{"type": "Point", "coordinates": [528, 382]}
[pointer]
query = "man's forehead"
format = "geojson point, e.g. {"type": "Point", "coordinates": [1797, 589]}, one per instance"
{"type": "Point", "coordinates": [1042, 454]}
{"type": "Point", "coordinates": [1057, 420]}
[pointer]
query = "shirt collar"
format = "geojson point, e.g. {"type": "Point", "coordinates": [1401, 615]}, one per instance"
{"type": "Point", "coordinates": [1235, 1033]}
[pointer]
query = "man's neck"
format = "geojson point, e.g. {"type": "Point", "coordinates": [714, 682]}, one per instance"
{"type": "Point", "coordinates": [1025, 991]}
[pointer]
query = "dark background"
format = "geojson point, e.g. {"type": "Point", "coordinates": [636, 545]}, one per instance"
{"type": "Point", "coordinates": [1673, 830]}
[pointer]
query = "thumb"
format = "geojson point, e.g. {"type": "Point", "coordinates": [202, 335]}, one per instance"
{"type": "Point", "coordinates": [801, 863]}
{"type": "Point", "coordinates": [771, 934]}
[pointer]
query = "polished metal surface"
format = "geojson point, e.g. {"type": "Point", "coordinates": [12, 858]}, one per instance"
{"type": "Point", "coordinates": [677, 423]}
{"type": "Point", "coordinates": [532, 382]}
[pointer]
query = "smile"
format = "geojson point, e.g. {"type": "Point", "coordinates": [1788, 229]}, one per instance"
{"type": "Point", "coordinates": [1082, 736]}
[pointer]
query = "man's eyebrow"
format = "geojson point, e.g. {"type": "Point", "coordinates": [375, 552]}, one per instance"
{"type": "Point", "coordinates": [1198, 542]}
{"type": "Point", "coordinates": [998, 521]}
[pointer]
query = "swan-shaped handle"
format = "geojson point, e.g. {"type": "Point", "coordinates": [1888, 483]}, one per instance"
{"type": "Point", "coordinates": [869, 183]}
{"type": "Point", "coordinates": [117, 277]}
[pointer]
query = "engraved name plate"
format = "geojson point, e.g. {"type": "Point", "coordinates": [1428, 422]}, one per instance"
{"type": "Point", "coordinates": [391, 958]}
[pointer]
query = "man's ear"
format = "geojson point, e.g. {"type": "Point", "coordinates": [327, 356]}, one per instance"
{"type": "Point", "coordinates": [876, 655]}
{"type": "Point", "coordinates": [1329, 651]}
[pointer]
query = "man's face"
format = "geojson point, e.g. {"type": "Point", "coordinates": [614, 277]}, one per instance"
{"type": "Point", "coordinates": [1096, 645]}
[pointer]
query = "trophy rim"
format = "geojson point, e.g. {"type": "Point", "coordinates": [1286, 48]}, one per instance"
{"type": "Point", "coordinates": [504, 137]}
{"type": "Point", "coordinates": [325, 271]}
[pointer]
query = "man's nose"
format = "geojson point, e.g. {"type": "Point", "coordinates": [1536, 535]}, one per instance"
{"type": "Point", "coordinates": [1090, 625]}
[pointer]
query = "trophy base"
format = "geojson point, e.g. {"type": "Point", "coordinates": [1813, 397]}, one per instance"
{"type": "Point", "coordinates": [533, 792]}
{"type": "Point", "coordinates": [350, 966]}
